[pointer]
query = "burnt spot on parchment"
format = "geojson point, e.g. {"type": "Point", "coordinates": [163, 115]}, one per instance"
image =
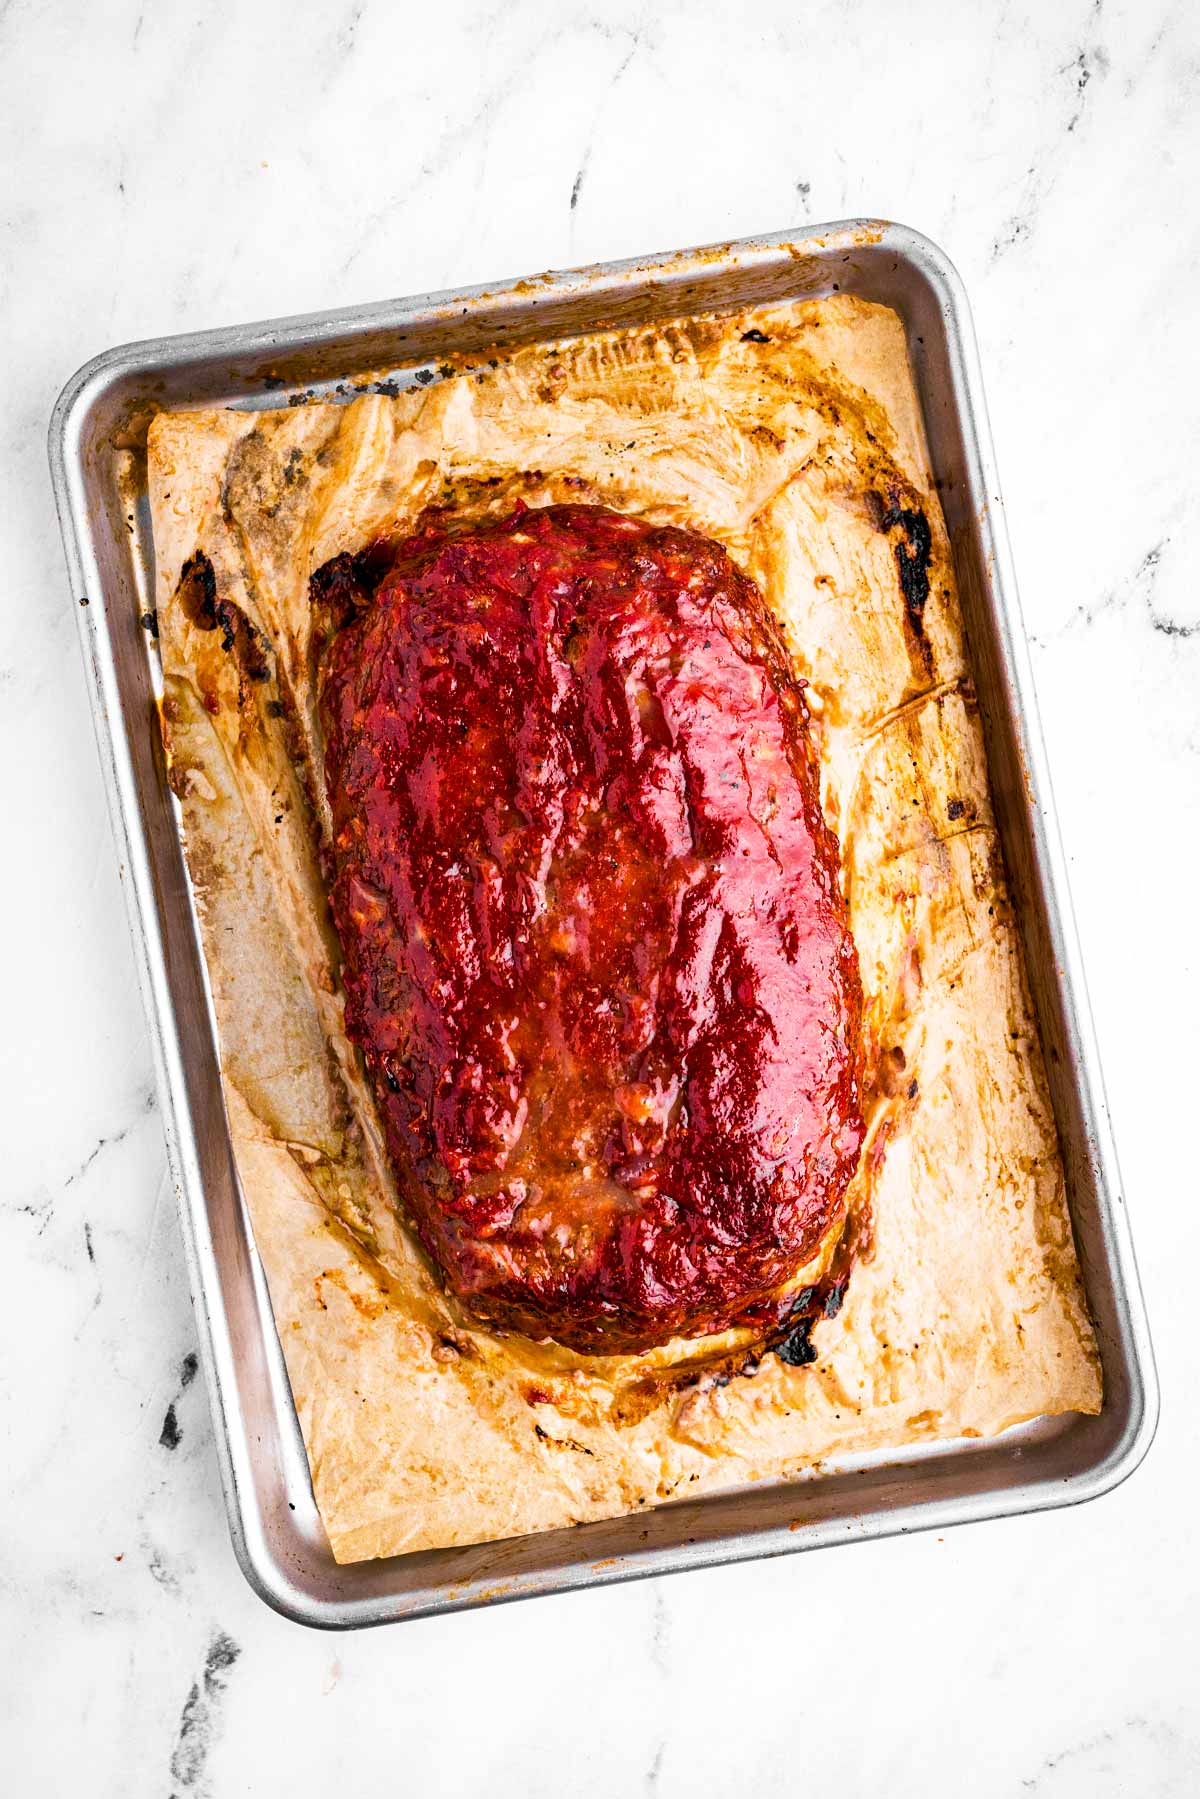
{"type": "Point", "coordinates": [197, 592]}
{"type": "Point", "coordinates": [795, 1349]}
{"type": "Point", "coordinates": [908, 528]}
{"type": "Point", "coordinates": [205, 608]}
{"type": "Point", "coordinates": [834, 1300]}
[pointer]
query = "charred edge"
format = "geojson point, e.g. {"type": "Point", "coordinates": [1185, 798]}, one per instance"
{"type": "Point", "coordinates": [150, 622]}
{"type": "Point", "coordinates": [207, 611]}
{"type": "Point", "coordinates": [913, 550]}
{"type": "Point", "coordinates": [791, 1341]}
{"type": "Point", "coordinates": [795, 1349]}
{"type": "Point", "coordinates": [338, 592]}
{"type": "Point", "coordinates": [344, 587]}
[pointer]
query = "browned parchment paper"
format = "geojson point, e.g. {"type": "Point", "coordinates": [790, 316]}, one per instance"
{"type": "Point", "coordinates": [800, 453]}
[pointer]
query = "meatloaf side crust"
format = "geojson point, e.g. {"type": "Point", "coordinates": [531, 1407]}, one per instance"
{"type": "Point", "coordinates": [596, 954]}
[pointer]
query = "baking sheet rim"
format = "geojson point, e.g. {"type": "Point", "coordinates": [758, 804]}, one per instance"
{"type": "Point", "coordinates": [261, 1561]}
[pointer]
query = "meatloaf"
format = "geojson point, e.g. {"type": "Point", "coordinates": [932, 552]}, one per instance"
{"type": "Point", "coordinates": [596, 952]}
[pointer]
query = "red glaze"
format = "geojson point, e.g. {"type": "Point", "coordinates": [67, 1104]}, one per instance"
{"type": "Point", "coordinates": [595, 951]}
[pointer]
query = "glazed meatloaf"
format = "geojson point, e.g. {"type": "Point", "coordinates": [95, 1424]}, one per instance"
{"type": "Point", "coordinates": [596, 952]}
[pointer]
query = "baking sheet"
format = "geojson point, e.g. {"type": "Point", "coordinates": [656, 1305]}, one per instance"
{"type": "Point", "coordinates": [95, 448]}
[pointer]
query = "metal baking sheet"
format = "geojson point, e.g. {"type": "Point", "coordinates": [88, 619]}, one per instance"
{"type": "Point", "coordinates": [97, 455]}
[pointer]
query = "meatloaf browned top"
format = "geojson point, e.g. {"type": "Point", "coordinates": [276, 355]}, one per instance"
{"type": "Point", "coordinates": [596, 951]}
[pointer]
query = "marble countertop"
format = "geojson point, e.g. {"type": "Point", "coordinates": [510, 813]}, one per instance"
{"type": "Point", "coordinates": [169, 168]}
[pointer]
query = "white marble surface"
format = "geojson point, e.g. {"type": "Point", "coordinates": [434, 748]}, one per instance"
{"type": "Point", "coordinates": [167, 167]}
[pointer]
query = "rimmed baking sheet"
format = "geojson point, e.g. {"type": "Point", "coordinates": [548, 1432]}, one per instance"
{"type": "Point", "coordinates": [97, 447]}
